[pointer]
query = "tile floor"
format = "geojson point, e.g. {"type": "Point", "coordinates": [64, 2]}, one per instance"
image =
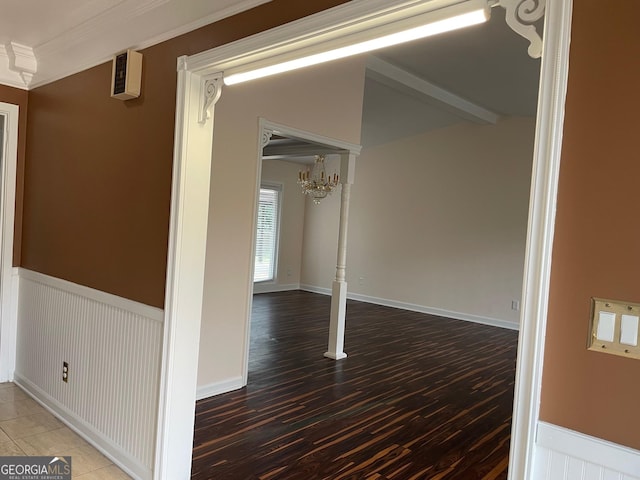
{"type": "Point", "coordinates": [28, 429]}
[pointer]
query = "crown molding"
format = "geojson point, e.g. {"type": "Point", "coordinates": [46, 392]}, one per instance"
{"type": "Point", "coordinates": [22, 61]}
{"type": "Point", "coordinates": [8, 76]}
{"type": "Point", "coordinates": [108, 22]}
{"type": "Point", "coordinates": [133, 24]}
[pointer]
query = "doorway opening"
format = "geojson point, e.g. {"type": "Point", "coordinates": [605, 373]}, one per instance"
{"type": "Point", "coordinates": [285, 153]}
{"type": "Point", "coordinates": [546, 159]}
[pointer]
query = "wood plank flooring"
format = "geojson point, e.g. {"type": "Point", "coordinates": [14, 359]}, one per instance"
{"type": "Point", "coordinates": [419, 397]}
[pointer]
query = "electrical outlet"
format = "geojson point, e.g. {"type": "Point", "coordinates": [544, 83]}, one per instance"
{"type": "Point", "coordinates": [360, 280]}
{"type": "Point", "coordinates": [65, 372]}
{"type": "Point", "coordinates": [515, 305]}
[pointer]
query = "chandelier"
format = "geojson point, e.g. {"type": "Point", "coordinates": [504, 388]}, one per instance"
{"type": "Point", "coordinates": [316, 183]}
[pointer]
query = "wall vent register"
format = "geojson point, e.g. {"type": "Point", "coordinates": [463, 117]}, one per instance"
{"type": "Point", "coordinates": [614, 327]}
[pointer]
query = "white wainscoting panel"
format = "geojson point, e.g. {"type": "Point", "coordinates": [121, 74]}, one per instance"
{"type": "Point", "coordinates": [563, 454]}
{"type": "Point", "coordinates": [113, 347]}
{"type": "Point", "coordinates": [439, 312]}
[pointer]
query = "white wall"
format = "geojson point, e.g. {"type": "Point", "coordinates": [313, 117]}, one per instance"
{"type": "Point", "coordinates": [292, 203]}
{"type": "Point", "coordinates": [437, 220]}
{"type": "Point", "coordinates": [325, 100]}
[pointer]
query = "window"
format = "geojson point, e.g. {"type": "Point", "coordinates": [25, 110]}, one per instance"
{"type": "Point", "coordinates": [267, 233]}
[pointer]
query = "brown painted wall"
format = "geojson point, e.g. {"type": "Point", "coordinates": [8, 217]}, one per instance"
{"type": "Point", "coordinates": [98, 170]}
{"type": "Point", "coordinates": [18, 97]}
{"type": "Point", "coordinates": [596, 250]}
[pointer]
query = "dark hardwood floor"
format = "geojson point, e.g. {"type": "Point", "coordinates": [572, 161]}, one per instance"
{"type": "Point", "coordinates": [419, 397]}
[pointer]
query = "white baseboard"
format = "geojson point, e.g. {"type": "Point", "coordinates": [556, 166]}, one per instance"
{"type": "Point", "coordinates": [315, 289]}
{"type": "Point", "coordinates": [206, 391]}
{"type": "Point", "coordinates": [563, 454]}
{"type": "Point", "coordinates": [117, 455]}
{"type": "Point", "coordinates": [495, 322]}
{"type": "Point", "coordinates": [274, 287]}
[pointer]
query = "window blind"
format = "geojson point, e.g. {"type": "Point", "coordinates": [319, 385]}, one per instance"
{"type": "Point", "coordinates": [267, 234]}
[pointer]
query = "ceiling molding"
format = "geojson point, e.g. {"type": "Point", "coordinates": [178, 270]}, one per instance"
{"type": "Point", "coordinates": [408, 83]}
{"type": "Point", "coordinates": [236, 8]}
{"type": "Point", "coordinates": [21, 61]}
{"type": "Point", "coordinates": [107, 22]}
{"type": "Point", "coordinates": [8, 76]}
{"type": "Point", "coordinates": [95, 40]}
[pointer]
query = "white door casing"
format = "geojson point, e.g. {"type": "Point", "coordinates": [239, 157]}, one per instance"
{"type": "Point", "coordinates": [199, 83]}
{"type": "Point", "coordinates": [8, 281]}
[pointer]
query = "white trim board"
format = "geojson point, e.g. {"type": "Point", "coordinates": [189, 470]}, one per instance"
{"type": "Point", "coordinates": [560, 452]}
{"type": "Point", "coordinates": [218, 388]}
{"type": "Point", "coordinates": [117, 455]}
{"type": "Point", "coordinates": [439, 312]}
{"type": "Point", "coordinates": [8, 280]}
{"type": "Point", "coordinates": [540, 229]}
{"type": "Point", "coordinates": [97, 295]}
{"type": "Point", "coordinates": [269, 287]}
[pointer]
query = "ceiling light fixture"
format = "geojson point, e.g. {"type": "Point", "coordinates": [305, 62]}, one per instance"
{"type": "Point", "coordinates": [316, 183]}
{"type": "Point", "coordinates": [477, 12]}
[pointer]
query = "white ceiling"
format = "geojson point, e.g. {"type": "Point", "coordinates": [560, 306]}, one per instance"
{"type": "Point", "coordinates": [71, 35]}
{"type": "Point", "coordinates": [486, 65]}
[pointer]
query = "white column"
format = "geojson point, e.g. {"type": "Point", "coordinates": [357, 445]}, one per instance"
{"type": "Point", "coordinates": [339, 290]}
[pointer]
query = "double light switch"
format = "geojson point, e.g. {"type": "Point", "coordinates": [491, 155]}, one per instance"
{"type": "Point", "coordinates": [614, 327]}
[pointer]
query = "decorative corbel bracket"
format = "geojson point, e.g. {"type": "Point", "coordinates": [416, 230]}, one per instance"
{"type": "Point", "coordinates": [210, 91]}
{"type": "Point", "coordinates": [22, 60]}
{"type": "Point", "coordinates": [520, 16]}
{"type": "Point", "coordinates": [266, 137]}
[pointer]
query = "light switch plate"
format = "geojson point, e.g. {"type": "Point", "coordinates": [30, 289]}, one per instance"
{"type": "Point", "coordinates": [606, 326]}
{"type": "Point", "coordinates": [629, 330]}
{"type": "Point", "coordinates": [614, 327]}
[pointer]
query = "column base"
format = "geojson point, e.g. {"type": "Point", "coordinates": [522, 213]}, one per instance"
{"type": "Point", "coordinates": [335, 356]}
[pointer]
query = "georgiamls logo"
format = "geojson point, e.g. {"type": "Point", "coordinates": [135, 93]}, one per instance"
{"type": "Point", "coordinates": [58, 466]}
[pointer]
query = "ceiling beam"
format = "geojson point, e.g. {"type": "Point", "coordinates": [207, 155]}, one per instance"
{"type": "Point", "coordinates": [287, 148]}
{"type": "Point", "coordinates": [410, 84]}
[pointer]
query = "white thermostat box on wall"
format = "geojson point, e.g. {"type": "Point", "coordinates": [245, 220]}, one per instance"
{"type": "Point", "coordinates": [126, 75]}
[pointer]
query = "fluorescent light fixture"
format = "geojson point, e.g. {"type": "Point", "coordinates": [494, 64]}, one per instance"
{"type": "Point", "coordinates": [473, 17]}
